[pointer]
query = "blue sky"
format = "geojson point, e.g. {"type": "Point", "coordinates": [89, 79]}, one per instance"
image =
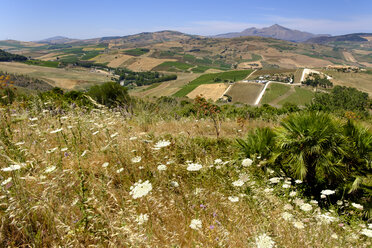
{"type": "Point", "coordinates": [38, 19]}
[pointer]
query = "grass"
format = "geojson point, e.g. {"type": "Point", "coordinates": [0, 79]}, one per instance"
{"type": "Point", "coordinates": [212, 78]}
{"type": "Point", "coordinates": [274, 91]}
{"type": "Point", "coordinates": [301, 97]}
{"type": "Point", "coordinates": [78, 172]}
{"type": "Point", "coordinates": [137, 51]}
{"type": "Point", "coordinates": [245, 92]}
{"type": "Point", "coordinates": [200, 69]}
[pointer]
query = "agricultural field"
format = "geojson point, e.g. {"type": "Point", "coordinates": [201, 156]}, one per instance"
{"type": "Point", "coordinates": [60, 77]}
{"type": "Point", "coordinates": [209, 91]}
{"type": "Point", "coordinates": [301, 96]}
{"type": "Point", "coordinates": [173, 66]}
{"type": "Point", "coordinates": [361, 81]}
{"type": "Point", "coordinates": [275, 91]}
{"type": "Point", "coordinates": [245, 92]}
{"type": "Point", "coordinates": [212, 78]}
{"type": "Point", "coordinates": [137, 51]}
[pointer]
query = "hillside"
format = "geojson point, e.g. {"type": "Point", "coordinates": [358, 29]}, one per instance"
{"type": "Point", "coordinates": [57, 40]}
{"type": "Point", "coordinates": [275, 31]}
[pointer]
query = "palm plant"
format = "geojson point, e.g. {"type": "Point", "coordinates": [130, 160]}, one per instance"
{"type": "Point", "coordinates": [310, 148]}
{"type": "Point", "coordinates": [259, 142]}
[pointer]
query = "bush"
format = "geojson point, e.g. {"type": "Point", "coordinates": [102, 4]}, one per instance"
{"type": "Point", "coordinates": [110, 94]}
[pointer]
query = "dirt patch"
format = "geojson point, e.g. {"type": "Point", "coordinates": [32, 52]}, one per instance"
{"type": "Point", "coordinates": [245, 92]}
{"type": "Point", "coordinates": [349, 57]}
{"type": "Point", "coordinates": [209, 91]}
{"type": "Point", "coordinates": [119, 60]}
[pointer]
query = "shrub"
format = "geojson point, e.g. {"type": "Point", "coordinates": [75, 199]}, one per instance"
{"type": "Point", "coordinates": [110, 94]}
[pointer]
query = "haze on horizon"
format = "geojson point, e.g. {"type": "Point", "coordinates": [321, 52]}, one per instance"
{"type": "Point", "coordinates": [39, 19]}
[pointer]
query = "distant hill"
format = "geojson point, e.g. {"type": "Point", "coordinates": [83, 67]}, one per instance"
{"type": "Point", "coordinates": [358, 37]}
{"type": "Point", "coordinates": [57, 40]}
{"type": "Point", "coordinates": [275, 31]}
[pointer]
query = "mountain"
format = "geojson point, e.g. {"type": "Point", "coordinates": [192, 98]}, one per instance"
{"type": "Point", "coordinates": [57, 40]}
{"type": "Point", "coordinates": [275, 31]}
{"type": "Point", "coordinates": [358, 37]}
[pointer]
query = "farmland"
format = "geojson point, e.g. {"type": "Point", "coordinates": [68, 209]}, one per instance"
{"type": "Point", "coordinates": [212, 78]}
{"type": "Point", "coordinates": [301, 97]}
{"type": "Point", "coordinates": [245, 92]}
{"type": "Point", "coordinates": [273, 91]}
{"type": "Point", "coordinates": [209, 91]}
{"type": "Point", "coordinates": [60, 77]}
{"type": "Point", "coordinates": [361, 81]}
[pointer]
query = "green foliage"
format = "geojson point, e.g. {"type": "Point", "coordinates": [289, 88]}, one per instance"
{"type": "Point", "coordinates": [259, 142]}
{"type": "Point", "coordinates": [341, 98]}
{"type": "Point", "coordinates": [210, 78]}
{"type": "Point", "coordinates": [5, 56]}
{"type": "Point", "coordinates": [316, 80]}
{"type": "Point", "coordinates": [129, 77]}
{"type": "Point", "coordinates": [200, 69]}
{"type": "Point", "coordinates": [172, 66]}
{"type": "Point", "coordinates": [137, 51]}
{"type": "Point", "coordinates": [52, 64]}
{"type": "Point", "coordinates": [110, 94]}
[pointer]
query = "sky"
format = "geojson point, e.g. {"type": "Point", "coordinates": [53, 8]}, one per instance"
{"type": "Point", "coordinates": [31, 20]}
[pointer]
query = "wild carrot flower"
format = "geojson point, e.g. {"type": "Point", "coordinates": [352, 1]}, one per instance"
{"type": "Point", "coordinates": [298, 225]}
{"type": "Point", "coordinates": [275, 180]}
{"type": "Point", "coordinates": [119, 170]}
{"type": "Point", "coordinates": [196, 224]}
{"type": "Point", "coordinates": [264, 241]}
{"type": "Point", "coordinates": [247, 162]}
{"type": "Point", "coordinates": [357, 206]}
{"type": "Point", "coordinates": [306, 207]}
{"type": "Point", "coordinates": [238, 183]}
{"type": "Point", "coordinates": [162, 143]}
{"type": "Point", "coordinates": [287, 216]}
{"type": "Point", "coordinates": [233, 198]}
{"type": "Point", "coordinates": [140, 189]}
{"type": "Point", "coordinates": [327, 192]}
{"type": "Point", "coordinates": [57, 130]}
{"type": "Point", "coordinates": [12, 167]}
{"type": "Point", "coordinates": [50, 169]}
{"type": "Point", "coordinates": [162, 167]}
{"type": "Point", "coordinates": [105, 164]}
{"type": "Point", "coordinates": [218, 161]}
{"type": "Point", "coordinates": [194, 167]}
{"type": "Point", "coordinates": [141, 219]}
{"type": "Point", "coordinates": [136, 159]}
{"type": "Point", "coordinates": [367, 232]}
{"type": "Point", "coordinates": [6, 181]}
{"type": "Point", "coordinates": [174, 184]}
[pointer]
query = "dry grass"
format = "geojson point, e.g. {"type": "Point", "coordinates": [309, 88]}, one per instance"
{"type": "Point", "coordinates": [63, 196]}
{"type": "Point", "coordinates": [361, 81]}
{"type": "Point", "coordinates": [209, 91]}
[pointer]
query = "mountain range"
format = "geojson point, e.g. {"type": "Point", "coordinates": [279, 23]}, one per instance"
{"type": "Point", "coordinates": [275, 31]}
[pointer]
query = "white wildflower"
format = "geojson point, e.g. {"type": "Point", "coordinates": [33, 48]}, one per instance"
{"type": "Point", "coordinates": [140, 189]}
{"type": "Point", "coordinates": [323, 196]}
{"type": "Point", "coordinates": [298, 225]}
{"type": "Point", "coordinates": [105, 164]}
{"type": "Point", "coordinates": [356, 205]}
{"type": "Point", "coordinates": [64, 149]}
{"type": "Point", "coordinates": [33, 119]}
{"type": "Point", "coordinates": [287, 216]}
{"type": "Point", "coordinates": [142, 218]}
{"type": "Point", "coordinates": [233, 198]}
{"type": "Point", "coordinates": [274, 180]}
{"type": "Point", "coordinates": [288, 207]}
{"type": "Point", "coordinates": [314, 202]}
{"type": "Point", "coordinates": [238, 183]}
{"type": "Point", "coordinates": [194, 167]}
{"type": "Point", "coordinates": [136, 159]}
{"type": "Point", "coordinates": [306, 207]}
{"type": "Point", "coordinates": [334, 236]}
{"type": "Point", "coordinates": [286, 186]}
{"type": "Point", "coordinates": [6, 181]}
{"type": "Point", "coordinates": [162, 167]}
{"type": "Point", "coordinates": [298, 181]}
{"type": "Point", "coordinates": [340, 202]}
{"type": "Point", "coordinates": [57, 130]}
{"type": "Point", "coordinates": [326, 218]}
{"type": "Point", "coordinates": [120, 170]}
{"type": "Point", "coordinates": [162, 143]}
{"type": "Point", "coordinates": [299, 202]}
{"type": "Point", "coordinates": [96, 132]}
{"type": "Point", "coordinates": [218, 161]}
{"type": "Point", "coordinates": [196, 224]}
{"type": "Point", "coordinates": [268, 190]}
{"type": "Point", "coordinates": [247, 162]}
{"type": "Point", "coordinates": [132, 138]}
{"type": "Point", "coordinates": [264, 241]}
{"type": "Point", "coordinates": [12, 167]}
{"type": "Point", "coordinates": [367, 232]}
{"type": "Point", "coordinates": [50, 169]}
{"type": "Point", "coordinates": [20, 143]}
{"type": "Point", "coordinates": [327, 192]}
{"type": "Point", "coordinates": [52, 150]}
{"type": "Point", "coordinates": [293, 194]}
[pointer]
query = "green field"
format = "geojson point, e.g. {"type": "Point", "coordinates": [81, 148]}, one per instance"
{"type": "Point", "coordinates": [137, 51]}
{"type": "Point", "coordinates": [172, 66]}
{"type": "Point", "coordinates": [212, 78]}
{"type": "Point", "coordinates": [274, 91]}
{"type": "Point", "coordinates": [300, 97]}
{"type": "Point", "coordinates": [53, 64]}
{"type": "Point", "coordinates": [200, 69]}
